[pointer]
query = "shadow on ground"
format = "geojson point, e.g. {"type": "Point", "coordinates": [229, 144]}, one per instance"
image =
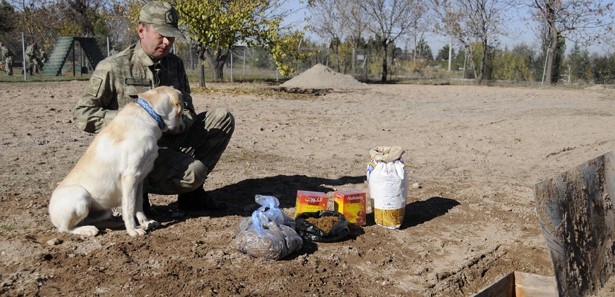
{"type": "Point", "coordinates": [240, 196]}
{"type": "Point", "coordinates": [420, 212]}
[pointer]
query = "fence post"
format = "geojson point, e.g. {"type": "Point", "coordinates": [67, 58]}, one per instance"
{"type": "Point", "coordinates": [23, 57]}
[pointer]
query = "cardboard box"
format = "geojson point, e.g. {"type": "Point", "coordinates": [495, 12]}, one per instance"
{"type": "Point", "coordinates": [351, 204]}
{"type": "Point", "coordinates": [309, 201]}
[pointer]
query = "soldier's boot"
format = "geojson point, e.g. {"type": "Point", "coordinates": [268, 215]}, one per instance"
{"type": "Point", "coordinates": [199, 200]}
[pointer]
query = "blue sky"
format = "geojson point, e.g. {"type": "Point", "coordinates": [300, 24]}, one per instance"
{"type": "Point", "coordinates": [299, 12]}
{"type": "Point", "coordinates": [519, 30]}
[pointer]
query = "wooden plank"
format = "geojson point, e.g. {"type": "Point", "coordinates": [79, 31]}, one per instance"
{"type": "Point", "coordinates": [534, 285]}
{"type": "Point", "coordinates": [576, 215]}
{"type": "Point", "coordinates": [504, 287]}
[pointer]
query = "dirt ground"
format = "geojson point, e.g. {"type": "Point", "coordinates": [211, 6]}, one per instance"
{"type": "Point", "coordinates": [475, 152]}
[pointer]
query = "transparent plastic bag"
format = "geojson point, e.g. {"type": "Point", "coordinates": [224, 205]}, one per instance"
{"type": "Point", "coordinates": [268, 233]}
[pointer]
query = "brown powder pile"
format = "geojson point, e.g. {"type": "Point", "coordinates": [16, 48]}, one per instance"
{"type": "Point", "coordinates": [323, 77]}
{"type": "Point", "coordinates": [325, 223]}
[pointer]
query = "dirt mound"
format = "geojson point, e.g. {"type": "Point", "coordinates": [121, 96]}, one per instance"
{"type": "Point", "coordinates": [323, 77]}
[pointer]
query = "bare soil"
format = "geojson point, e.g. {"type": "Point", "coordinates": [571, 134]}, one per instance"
{"type": "Point", "coordinates": [473, 155]}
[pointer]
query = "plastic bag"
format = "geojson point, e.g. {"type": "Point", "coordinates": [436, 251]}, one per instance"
{"type": "Point", "coordinates": [310, 231]}
{"type": "Point", "coordinates": [268, 233]}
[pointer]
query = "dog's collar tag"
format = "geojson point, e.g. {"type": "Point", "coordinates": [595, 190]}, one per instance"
{"type": "Point", "coordinates": [151, 112]}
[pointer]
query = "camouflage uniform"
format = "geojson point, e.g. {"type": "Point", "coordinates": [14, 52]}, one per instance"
{"type": "Point", "coordinates": [185, 159]}
{"type": "Point", "coordinates": [7, 55]}
{"type": "Point", "coordinates": [33, 63]}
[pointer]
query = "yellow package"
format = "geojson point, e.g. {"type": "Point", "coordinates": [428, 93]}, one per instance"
{"type": "Point", "coordinates": [308, 201]}
{"type": "Point", "coordinates": [351, 204]}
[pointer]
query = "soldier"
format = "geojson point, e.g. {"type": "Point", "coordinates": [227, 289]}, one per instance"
{"type": "Point", "coordinates": [43, 58]}
{"type": "Point", "coordinates": [33, 63]}
{"type": "Point", "coordinates": [7, 55]}
{"type": "Point", "coordinates": [184, 159]}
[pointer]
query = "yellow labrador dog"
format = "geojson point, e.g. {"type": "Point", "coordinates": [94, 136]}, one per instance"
{"type": "Point", "coordinates": [112, 169]}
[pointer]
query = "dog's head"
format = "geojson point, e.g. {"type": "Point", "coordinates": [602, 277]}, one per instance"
{"type": "Point", "coordinates": [169, 104]}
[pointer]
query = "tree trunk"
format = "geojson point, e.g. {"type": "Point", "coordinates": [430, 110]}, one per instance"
{"type": "Point", "coordinates": [385, 71]}
{"type": "Point", "coordinates": [552, 47]}
{"type": "Point", "coordinates": [219, 70]}
{"type": "Point", "coordinates": [216, 62]}
{"type": "Point", "coordinates": [200, 51]}
{"type": "Point", "coordinates": [201, 73]}
{"type": "Point", "coordinates": [483, 62]}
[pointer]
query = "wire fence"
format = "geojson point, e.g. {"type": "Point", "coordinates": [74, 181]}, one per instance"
{"type": "Point", "coordinates": [255, 64]}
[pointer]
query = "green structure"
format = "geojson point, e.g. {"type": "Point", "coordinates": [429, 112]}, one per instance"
{"type": "Point", "coordinates": [63, 49]}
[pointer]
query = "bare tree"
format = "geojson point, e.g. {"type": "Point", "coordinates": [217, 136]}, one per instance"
{"type": "Point", "coordinates": [39, 20]}
{"type": "Point", "coordinates": [339, 21]}
{"type": "Point", "coordinates": [356, 21]}
{"type": "Point", "coordinates": [581, 21]}
{"type": "Point", "coordinates": [473, 22]}
{"type": "Point", "coordinates": [391, 19]}
{"type": "Point", "coordinates": [328, 22]}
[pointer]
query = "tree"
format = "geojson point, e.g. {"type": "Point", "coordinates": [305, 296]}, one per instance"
{"type": "Point", "coordinates": [216, 26]}
{"type": "Point", "coordinates": [443, 53]}
{"type": "Point", "coordinates": [423, 51]}
{"type": "Point", "coordinates": [603, 68]}
{"type": "Point", "coordinates": [584, 21]}
{"type": "Point", "coordinates": [328, 22]}
{"type": "Point", "coordinates": [8, 17]}
{"type": "Point", "coordinates": [342, 22]}
{"type": "Point", "coordinates": [43, 21]}
{"type": "Point", "coordinates": [122, 16]}
{"type": "Point", "coordinates": [580, 64]}
{"type": "Point", "coordinates": [473, 22]}
{"type": "Point", "coordinates": [512, 65]}
{"type": "Point", "coordinates": [389, 20]}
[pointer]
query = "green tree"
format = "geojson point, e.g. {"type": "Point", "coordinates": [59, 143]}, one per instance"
{"type": "Point", "coordinates": [580, 65]}
{"type": "Point", "coordinates": [559, 20]}
{"type": "Point", "coordinates": [389, 20]}
{"type": "Point", "coordinates": [511, 65]}
{"type": "Point", "coordinates": [423, 51]}
{"type": "Point", "coordinates": [8, 18]}
{"type": "Point", "coordinates": [216, 26]}
{"type": "Point", "coordinates": [603, 68]}
{"type": "Point", "coordinates": [475, 24]}
{"type": "Point", "coordinates": [443, 53]}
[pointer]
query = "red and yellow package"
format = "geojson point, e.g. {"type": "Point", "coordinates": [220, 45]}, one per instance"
{"type": "Point", "coordinates": [308, 201]}
{"type": "Point", "coordinates": [351, 204]}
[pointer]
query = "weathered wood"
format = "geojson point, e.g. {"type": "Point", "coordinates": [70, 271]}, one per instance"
{"type": "Point", "coordinates": [575, 212]}
{"type": "Point", "coordinates": [534, 285]}
{"type": "Point", "coordinates": [521, 284]}
{"type": "Point", "coordinates": [504, 287]}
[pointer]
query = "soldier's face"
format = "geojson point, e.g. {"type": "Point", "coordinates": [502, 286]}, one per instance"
{"type": "Point", "coordinates": [154, 44]}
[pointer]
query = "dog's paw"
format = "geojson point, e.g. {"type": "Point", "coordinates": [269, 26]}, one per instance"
{"type": "Point", "coordinates": [150, 225]}
{"type": "Point", "coordinates": [85, 230]}
{"type": "Point", "coordinates": [135, 232]}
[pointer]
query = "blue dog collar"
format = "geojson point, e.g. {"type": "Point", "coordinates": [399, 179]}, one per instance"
{"type": "Point", "coordinates": [151, 112]}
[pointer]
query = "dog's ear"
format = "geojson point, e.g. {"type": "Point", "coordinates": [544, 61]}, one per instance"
{"type": "Point", "coordinates": [150, 95]}
{"type": "Point", "coordinates": [177, 99]}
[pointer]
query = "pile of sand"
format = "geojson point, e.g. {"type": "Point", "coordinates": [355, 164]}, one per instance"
{"type": "Point", "coordinates": [323, 77]}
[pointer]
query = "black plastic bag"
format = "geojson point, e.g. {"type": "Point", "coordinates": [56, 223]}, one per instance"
{"type": "Point", "coordinates": [308, 231]}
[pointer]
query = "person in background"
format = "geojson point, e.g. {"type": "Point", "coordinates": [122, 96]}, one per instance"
{"type": "Point", "coordinates": [184, 159]}
{"type": "Point", "coordinates": [33, 63]}
{"type": "Point", "coordinates": [7, 56]}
